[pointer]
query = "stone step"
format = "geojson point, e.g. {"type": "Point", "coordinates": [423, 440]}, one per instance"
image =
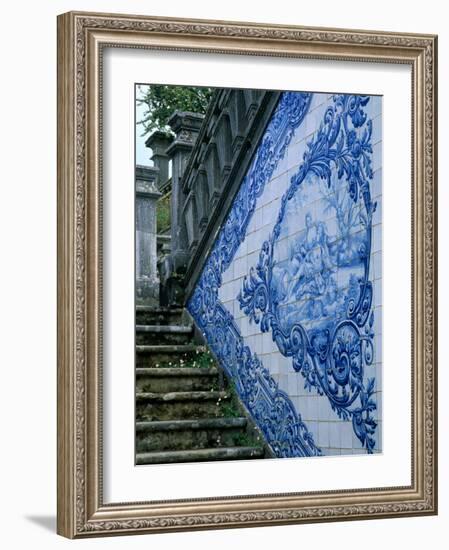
{"type": "Point", "coordinates": [167, 348]}
{"type": "Point", "coordinates": [177, 371]}
{"type": "Point", "coordinates": [182, 396]}
{"type": "Point", "coordinates": [156, 354]}
{"type": "Point", "coordinates": [221, 453]}
{"type": "Point", "coordinates": [158, 379]}
{"type": "Point", "coordinates": [164, 334]}
{"type": "Point", "coordinates": [147, 315]}
{"type": "Point", "coordinates": [183, 413]}
{"type": "Point", "coordinates": [177, 405]}
{"type": "Point", "coordinates": [190, 434]}
{"type": "Point", "coordinates": [180, 329]}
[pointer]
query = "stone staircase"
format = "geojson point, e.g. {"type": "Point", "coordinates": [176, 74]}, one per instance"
{"type": "Point", "coordinates": [186, 410]}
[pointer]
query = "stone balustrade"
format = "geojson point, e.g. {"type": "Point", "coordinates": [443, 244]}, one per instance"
{"type": "Point", "coordinates": [209, 156]}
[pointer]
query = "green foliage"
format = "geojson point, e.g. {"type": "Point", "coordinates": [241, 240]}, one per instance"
{"type": "Point", "coordinates": [231, 408]}
{"type": "Point", "coordinates": [247, 440]}
{"type": "Point", "coordinates": [201, 358]}
{"type": "Point", "coordinates": [162, 100]}
{"type": "Point", "coordinates": [163, 214]}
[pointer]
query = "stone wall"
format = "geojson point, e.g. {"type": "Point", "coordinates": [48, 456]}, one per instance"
{"type": "Point", "coordinates": [290, 297]}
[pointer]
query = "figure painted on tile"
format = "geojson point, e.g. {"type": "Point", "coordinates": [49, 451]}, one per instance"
{"type": "Point", "coordinates": [311, 264]}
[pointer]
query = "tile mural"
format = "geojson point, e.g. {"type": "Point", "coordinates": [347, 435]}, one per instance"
{"type": "Point", "coordinates": [290, 298]}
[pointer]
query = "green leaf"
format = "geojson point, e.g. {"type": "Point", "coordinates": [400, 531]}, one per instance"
{"type": "Point", "coordinates": [162, 101]}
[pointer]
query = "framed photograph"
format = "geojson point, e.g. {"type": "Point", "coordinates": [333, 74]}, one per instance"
{"type": "Point", "coordinates": [247, 282]}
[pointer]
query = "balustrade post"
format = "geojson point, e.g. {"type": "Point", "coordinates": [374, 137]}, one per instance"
{"type": "Point", "coordinates": [158, 142]}
{"type": "Point", "coordinates": [186, 126]}
{"type": "Point", "coordinates": [147, 195]}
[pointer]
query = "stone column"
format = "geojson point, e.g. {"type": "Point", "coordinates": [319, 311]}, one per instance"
{"type": "Point", "coordinates": [186, 127]}
{"type": "Point", "coordinates": [159, 142]}
{"type": "Point", "coordinates": [147, 195]}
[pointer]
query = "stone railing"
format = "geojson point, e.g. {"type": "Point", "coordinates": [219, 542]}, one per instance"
{"type": "Point", "coordinates": [210, 156]}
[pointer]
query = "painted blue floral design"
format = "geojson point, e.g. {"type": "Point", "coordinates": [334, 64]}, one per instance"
{"type": "Point", "coordinates": [318, 303]}
{"type": "Point", "coordinates": [270, 407]}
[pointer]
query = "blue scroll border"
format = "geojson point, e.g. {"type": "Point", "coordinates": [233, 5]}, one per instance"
{"type": "Point", "coordinates": [332, 361]}
{"type": "Point", "coordinates": [271, 408]}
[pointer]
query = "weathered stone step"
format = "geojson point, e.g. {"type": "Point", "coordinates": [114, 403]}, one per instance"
{"type": "Point", "coordinates": [147, 315]}
{"type": "Point", "coordinates": [161, 379]}
{"type": "Point", "coordinates": [222, 453]}
{"type": "Point", "coordinates": [182, 396]}
{"type": "Point", "coordinates": [167, 348]}
{"type": "Point", "coordinates": [177, 405]}
{"type": "Point", "coordinates": [164, 334]}
{"type": "Point", "coordinates": [190, 434]}
{"type": "Point", "coordinates": [179, 329]}
{"type": "Point", "coordinates": [182, 412]}
{"type": "Point", "coordinates": [155, 355]}
{"type": "Point", "coordinates": [199, 424]}
{"type": "Point", "coordinates": [177, 371]}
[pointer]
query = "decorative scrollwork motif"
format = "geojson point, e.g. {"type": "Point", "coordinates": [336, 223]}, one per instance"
{"type": "Point", "coordinates": [270, 407]}
{"type": "Point", "coordinates": [288, 115]}
{"type": "Point", "coordinates": [332, 351]}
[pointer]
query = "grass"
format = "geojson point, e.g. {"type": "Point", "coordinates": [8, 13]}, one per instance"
{"type": "Point", "coordinates": [200, 359]}
{"type": "Point", "coordinates": [247, 440]}
{"type": "Point", "coordinates": [163, 213]}
{"type": "Point", "coordinates": [231, 407]}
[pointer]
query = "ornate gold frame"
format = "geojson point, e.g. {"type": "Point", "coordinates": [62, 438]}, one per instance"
{"type": "Point", "coordinates": [81, 37]}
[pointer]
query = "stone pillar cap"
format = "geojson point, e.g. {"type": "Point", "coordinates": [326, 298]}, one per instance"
{"type": "Point", "coordinates": [158, 140]}
{"type": "Point", "coordinates": [146, 173]}
{"type": "Point", "coordinates": [186, 126]}
{"type": "Point", "coordinates": [185, 120]}
{"type": "Point", "coordinates": [147, 190]}
{"type": "Point", "coordinates": [146, 181]}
